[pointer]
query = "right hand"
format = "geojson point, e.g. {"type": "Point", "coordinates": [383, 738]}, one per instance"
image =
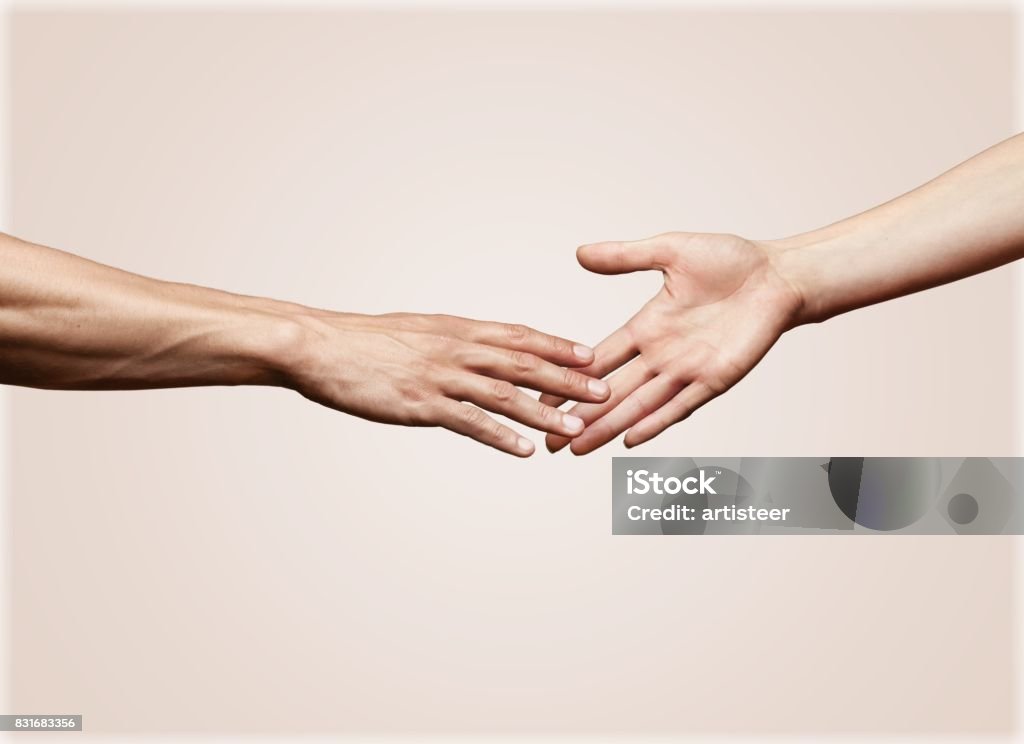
{"type": "Point", "coordinates": [440, 370]}
{"type": "Point", "coordinates": [724, 304]}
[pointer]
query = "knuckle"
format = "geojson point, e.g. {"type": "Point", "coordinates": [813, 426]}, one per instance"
{"type": "Point", "coordinates": [413, 391]}
{"type": "Point", "coordinates": [422, 413]}
{"type": "Point", "coordinates": [414, 322]}
{"type": "Point", "coordinates": [443, 346]}
{"type": "Point", "coordinates": [560, 346]}
{"type": "Point", "coordinates": [450, 323]}
{"type": "Point", "coordinates": [503, 391]}
{"type": "Point", "coordinates": [573, 381]}
{"type": "Point", "coordinates": [524, 361]}
{"type": "Point", "coordinates": [516, 332]}
{"type": "Point", "coordinates": [497, 432]}
{"type": "Point", "coordinates": [436, 324]}
{"type": "Point", "coordinates": [547, 414]}
{"type": "Point", "coordinates": [473, 417]}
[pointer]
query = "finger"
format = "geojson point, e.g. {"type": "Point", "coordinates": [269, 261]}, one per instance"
{"type": "Point", "coordinates": [622, 257]}
{"type": "Point", "coordinates": [688, 400]}
{"type": "Point", "coordinates": [641, 403]}
{"type": "Point", "coordinates": [609, 355]}
{"type": "Point", "coordinates": [622, 383]}
{"type": "Point", "coordinates": [505, 398]}
{"type": "Point", "coordinates": [523, 338]}
{"type": "Point", "coordinates": [470, 421]}
{"type": "Point", "coordinates": [529, 370]}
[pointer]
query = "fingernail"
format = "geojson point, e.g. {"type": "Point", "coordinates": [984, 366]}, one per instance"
{"type": "Point", "coordinates": [598, 387]}
{"type": "Point", "coordinates": [584, 353]}
{"type": "Point", "coordinates": [572, 423]}
{"type": "Point", "coordinates": [525, 446]}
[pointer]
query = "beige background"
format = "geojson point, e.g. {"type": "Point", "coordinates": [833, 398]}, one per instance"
{"type": "Point", "coordinates": [253, 563]}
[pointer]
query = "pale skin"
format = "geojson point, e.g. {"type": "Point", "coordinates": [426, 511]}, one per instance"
{"type": "Point", "coordinates": [726, 300]}
{"type": "Point", "coordinates": [69, 323]}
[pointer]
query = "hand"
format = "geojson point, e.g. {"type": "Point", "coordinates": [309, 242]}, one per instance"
{"type": "Point", "coordinates": [425, 370]}
{"type": "Point", "coordinates": [724, 304]}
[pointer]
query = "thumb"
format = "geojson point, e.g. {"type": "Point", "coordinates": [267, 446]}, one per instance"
{"type": "Point", "coordinates": [622, 257]}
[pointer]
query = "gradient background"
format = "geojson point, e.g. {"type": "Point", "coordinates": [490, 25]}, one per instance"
{"type": "Point", "coordinates": [226, 561]}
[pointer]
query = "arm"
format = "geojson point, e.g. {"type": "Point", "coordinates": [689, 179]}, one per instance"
{"type": "Point", "coordinates": [727, 300]}
{"type": "Point", "coordinates": [968, 220]}
{"type": "Point", "coordinates": [70, 323]}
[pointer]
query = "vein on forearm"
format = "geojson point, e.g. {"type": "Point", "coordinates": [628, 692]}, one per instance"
{"type": "Point", "coordinates": [66, 322]}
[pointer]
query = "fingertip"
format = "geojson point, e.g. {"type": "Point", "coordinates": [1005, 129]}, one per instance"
{"type": "Point", "coordinates": [582, 354]}
{"type": "Point", "coordinates": [573, 425]}
{"type": "Point", "coordinates": [578, 449]}
{"type": "Point", "coordinates": [555, 443]}
{"type": "Point", "coordinates": [585, 252]}
{"type": "Point", "coordinates": [524, 447]}
{"type": "Point", "coordinates": [599, 389]}
{"type": "Point", "coordinates": [635, 439]}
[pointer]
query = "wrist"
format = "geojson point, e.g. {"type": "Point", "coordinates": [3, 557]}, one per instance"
{"type": "Point", "coordinates": [240, 339]}
{"type": "Point", "coordinates": [275, 341]}
{"type": "Point", "coordinates": [802, 262]}
{"type": "Point", "coordinates": [290, 340]}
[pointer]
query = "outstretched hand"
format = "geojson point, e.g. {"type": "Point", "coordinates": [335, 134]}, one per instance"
{"type": "Point", "coordinates": [441, 370]}
{"type": "Point", "coordinates": [724, 304]}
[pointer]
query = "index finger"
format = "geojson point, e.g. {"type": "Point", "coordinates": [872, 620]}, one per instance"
{"type": "Point", "coordinates": [520, 337]}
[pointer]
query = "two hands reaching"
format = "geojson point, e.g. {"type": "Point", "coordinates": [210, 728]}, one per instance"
{"type": "Point", "coordinates": [89, 326]}
{"type": "Point", "coordinates": [70, 323]}
{"type": "Point", "coordinates": [722, 307]}
{"type": "Point", "coordinates": [726, 300]}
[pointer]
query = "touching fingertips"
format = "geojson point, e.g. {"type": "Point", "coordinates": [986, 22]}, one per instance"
{"type": "Point", "coordinates": [599, 388]}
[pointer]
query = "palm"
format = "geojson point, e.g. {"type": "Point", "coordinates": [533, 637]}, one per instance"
{"type": "Point", "coordinates": [721, 309]}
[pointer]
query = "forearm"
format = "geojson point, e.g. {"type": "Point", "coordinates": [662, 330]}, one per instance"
{"type": "Point", "coordinates": [70, 323]}
{"type": "Point", "coordinates": [966, 221]}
